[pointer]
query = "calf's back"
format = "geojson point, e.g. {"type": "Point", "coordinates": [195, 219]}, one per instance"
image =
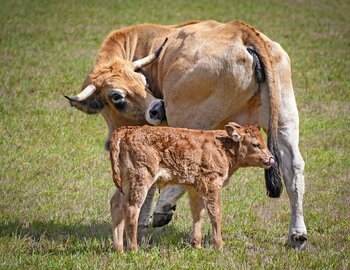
{"type": "Point", "coordinates": [176, 155]}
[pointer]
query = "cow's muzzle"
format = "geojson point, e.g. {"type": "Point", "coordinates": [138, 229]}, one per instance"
{"type": "Point", "coordinates": [156, 112]}
{"type": "Point", "coordinates": [162, 219]}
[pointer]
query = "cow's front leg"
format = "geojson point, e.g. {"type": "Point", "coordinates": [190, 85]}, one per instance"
{"type": "Point", "coordinates": [163, 212]}
{"type": "Point", "coordinates": [293, 172]}
{"type": "Point", "coordinates": [146, 208]}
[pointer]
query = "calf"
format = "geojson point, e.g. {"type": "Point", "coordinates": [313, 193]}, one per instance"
{"type": "Point", "coordinates": [202, 161]}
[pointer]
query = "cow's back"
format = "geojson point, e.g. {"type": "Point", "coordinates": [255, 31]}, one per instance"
{"type": "Point", "coordinates": [206, 75]}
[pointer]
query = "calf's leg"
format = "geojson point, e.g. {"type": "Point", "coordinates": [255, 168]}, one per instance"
{"type": "Point", "coordinates": [198, 211]}
{"type": "Point", "coordinates": [214, 212]}
{"type": "Point", "coordinates": [131, 213]}
{"type": "Point", "coordinates": [116, 209]}
{"type": "Point", "coordinates": [134, 199]}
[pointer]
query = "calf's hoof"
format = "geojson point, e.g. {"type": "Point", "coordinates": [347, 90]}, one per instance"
{"type": "Point", "coordinates": [218, 245]}
{"type": "Point", "coordinates": [196, 244]}
{"type": "Point", "coordinates": [119, 248]}
{"type": "Point", "coordinates": [297, 241]}
{"type": "Point", "coordinates": [161, 219]}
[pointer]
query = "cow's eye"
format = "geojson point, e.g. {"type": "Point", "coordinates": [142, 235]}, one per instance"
{"type": "Point", "coordinates": [256, 145]}
{"type": "Point", "coordinates": [117, 97]}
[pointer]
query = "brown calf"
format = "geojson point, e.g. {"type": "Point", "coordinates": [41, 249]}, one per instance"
{"type": "Point", "coordinates": [202, 161]}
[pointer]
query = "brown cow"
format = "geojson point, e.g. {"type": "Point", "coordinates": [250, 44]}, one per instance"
{"type": "Point", "coordinates": [201, 161]}
{"type": "Point", "coordinates": [207, 74]}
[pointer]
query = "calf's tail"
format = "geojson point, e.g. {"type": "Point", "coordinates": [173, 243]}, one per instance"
{"type": "Point", "coordinates": [114, 151]}
{"type": "Point", "coordinates": [253, 40]}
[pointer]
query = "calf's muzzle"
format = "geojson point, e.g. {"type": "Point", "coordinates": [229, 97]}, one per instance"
{"type": "Point", "coordinates": [269, 161]}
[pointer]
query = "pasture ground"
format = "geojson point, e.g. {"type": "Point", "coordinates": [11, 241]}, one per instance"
{"type": "Point", "coordinates": [55, 177]}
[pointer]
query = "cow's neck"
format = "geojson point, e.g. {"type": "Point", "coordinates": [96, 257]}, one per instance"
{"type": "Point", "coordinates": [129, 44]}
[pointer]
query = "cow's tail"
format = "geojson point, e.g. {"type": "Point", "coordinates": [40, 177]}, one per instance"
{"type": "Point", "coordinates": [114, 151]}
{"type": "Point", "coordinates": [252, 39]}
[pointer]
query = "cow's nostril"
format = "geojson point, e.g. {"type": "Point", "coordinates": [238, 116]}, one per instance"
{"type": "Point", "coordinates": [153, 113]}
{"type": "Point", "coordinates": [156, 111]}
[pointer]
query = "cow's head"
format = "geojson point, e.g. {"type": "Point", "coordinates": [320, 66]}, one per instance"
{"type": "Point", "coordinates": [252, 148]}
{"type": "Point", "coordinates": [120, 93]}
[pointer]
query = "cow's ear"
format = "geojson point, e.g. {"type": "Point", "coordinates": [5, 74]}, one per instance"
{"type": "Point", "coordinates": [143, 78]}
{"type": "Point", "coordinates": [232, 131]}
{"type": "Point", "coordinates": [87, 101]}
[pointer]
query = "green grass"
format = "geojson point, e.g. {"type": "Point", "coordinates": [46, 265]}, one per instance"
{"type": "Point", "coordinates": [55, 178]}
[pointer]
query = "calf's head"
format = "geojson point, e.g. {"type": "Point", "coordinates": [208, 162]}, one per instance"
{"type": "Point", "coordinates": [252, 150]}
{"type": "Point", "coordinates": [120, 93]}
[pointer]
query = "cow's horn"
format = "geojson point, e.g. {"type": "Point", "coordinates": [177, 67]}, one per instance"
{"type": "Point", "coordinates": [138, 64]}
{"type": "Point", "coordinates": [87, 92]}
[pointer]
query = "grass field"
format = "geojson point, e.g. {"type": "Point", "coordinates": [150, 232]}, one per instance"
{"type": "Point", "coordinates": [55, 177]}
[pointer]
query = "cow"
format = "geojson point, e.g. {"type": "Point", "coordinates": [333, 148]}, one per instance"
{"type": "Point", "coordinates": [201, 161]}
{"type": "Point", "coordinates": [206, 75]}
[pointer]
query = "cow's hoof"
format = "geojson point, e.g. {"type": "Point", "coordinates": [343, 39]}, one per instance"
{"type": "Point", "coordinates": [161, 219]}
{"type": "Point", "coordinates": [142, 227]}
{"type": "Point", "coordinates": [297, 241]}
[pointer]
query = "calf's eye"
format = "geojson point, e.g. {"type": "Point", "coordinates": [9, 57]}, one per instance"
{"type": "Point", "coordinates": [256, 145]}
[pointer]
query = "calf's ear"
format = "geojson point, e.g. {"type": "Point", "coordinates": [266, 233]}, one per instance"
{"type": "Point", "coordinates": [232, 131]}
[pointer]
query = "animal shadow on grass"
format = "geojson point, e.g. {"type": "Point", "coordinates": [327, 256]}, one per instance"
{"type": "Point", "coordinates": [78, 238]}
{"type": "Point", "coordinates": [168, 236]}
{"type": "Point", "coordinates": [73, 237]}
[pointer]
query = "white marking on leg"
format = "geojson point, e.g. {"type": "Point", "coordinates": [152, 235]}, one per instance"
{"type": "Point", "coordinates": [169, 195]}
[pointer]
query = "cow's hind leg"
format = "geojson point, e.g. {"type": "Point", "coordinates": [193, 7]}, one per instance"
{"type": "Point", "coordinates": [198, 210]}
{"type": "Point", "coordinates": [116, 209]}
{"type": "Point", "coordinates": [293, 172]}
{"type": "Point", "coordinates": [166, 204]}
{"type": "Point", "coordinates": [292, 166]}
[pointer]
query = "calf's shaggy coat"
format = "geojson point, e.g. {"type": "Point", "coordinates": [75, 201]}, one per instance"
{"type": "Point", "coordinates": [202, 161]}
